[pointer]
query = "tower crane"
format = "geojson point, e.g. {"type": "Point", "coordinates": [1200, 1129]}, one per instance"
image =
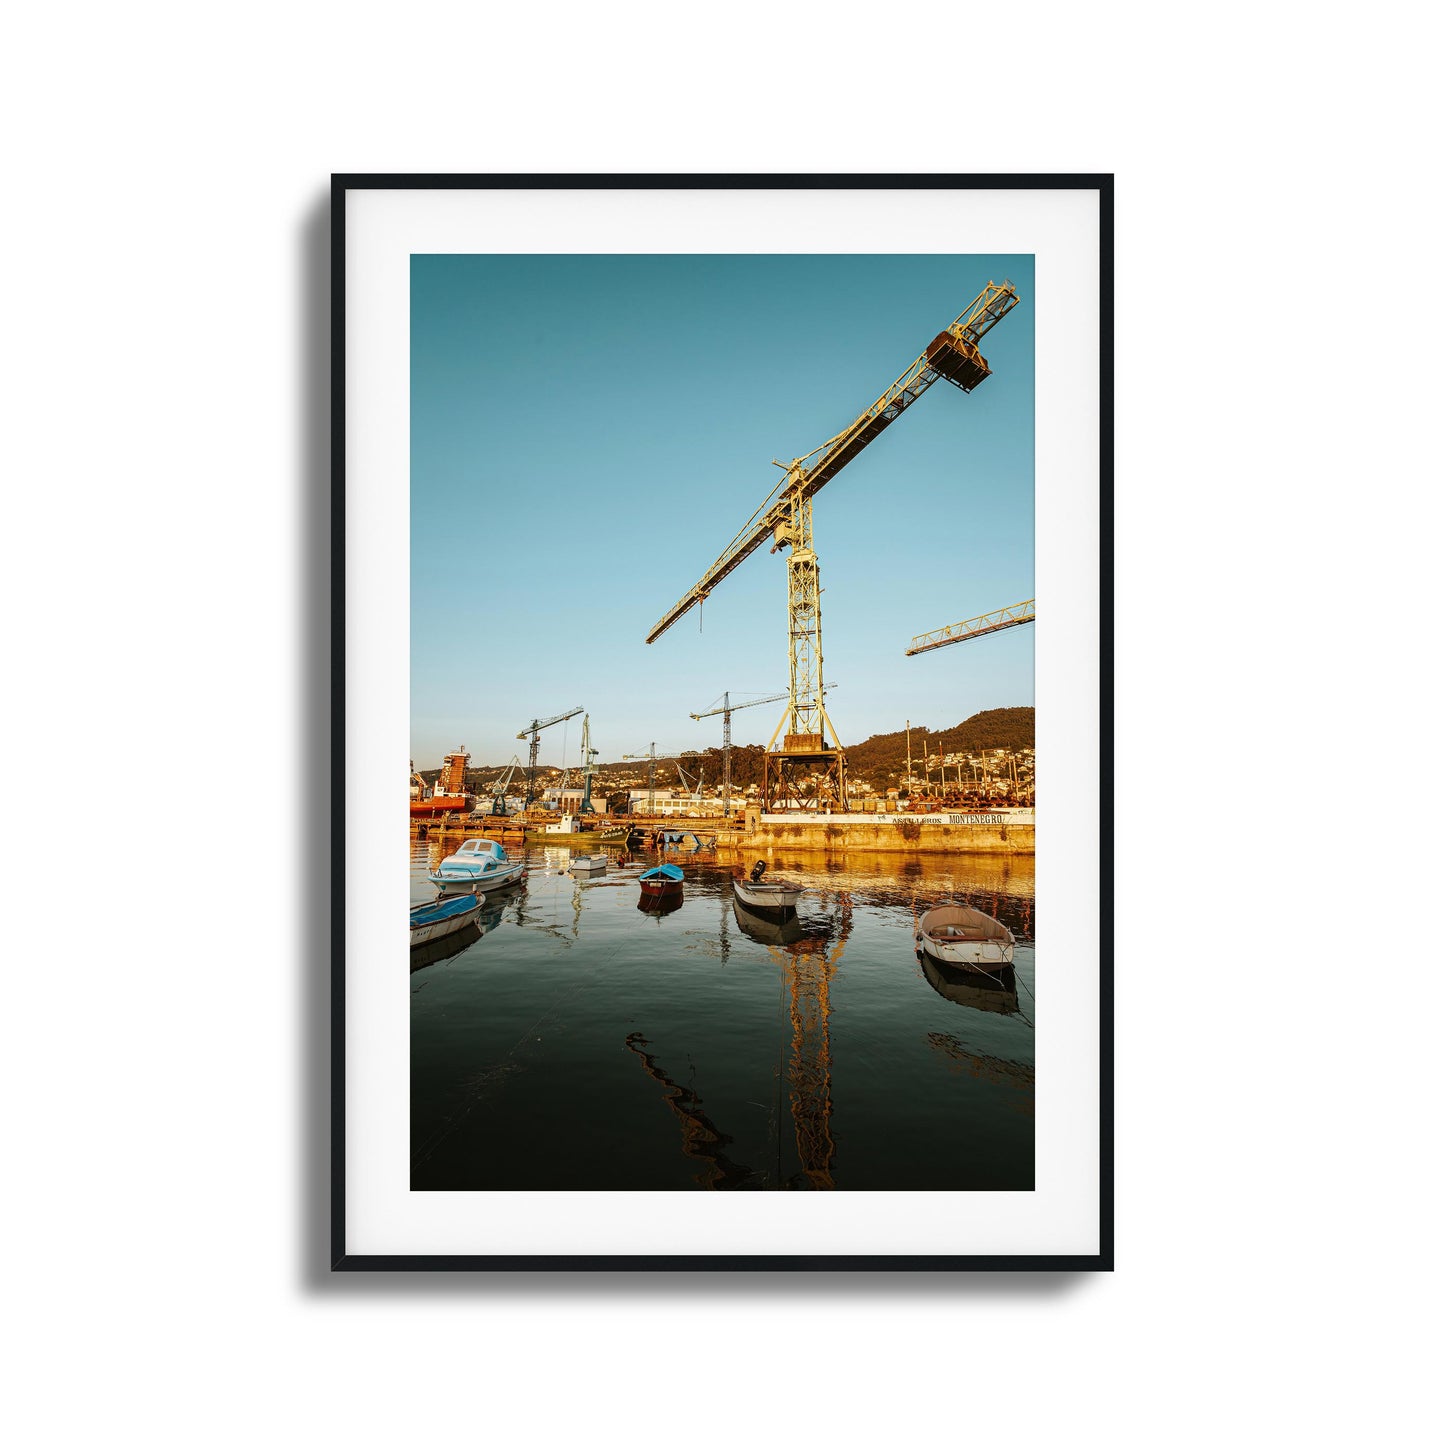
{"type": "Point", "coordinates": [534, 727]}
{"type": "Point", "coordinates": [727, 710]}
{"type": "Point", "coordinates": [651, 756]}
{"type": "Point", "coordinates": [786, 516]}
{"type": "Point", "coordinates": [1015, 616]}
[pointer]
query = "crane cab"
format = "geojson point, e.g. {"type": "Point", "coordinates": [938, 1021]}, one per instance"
{"type": "Point", "coordinates": [956, 360]}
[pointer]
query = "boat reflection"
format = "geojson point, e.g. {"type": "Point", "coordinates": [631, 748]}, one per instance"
{"type": "Point", "coordinates": [659, 903]}
{"type": "Point", "coordinates": [765, 930]}
{"type": "Point", "coordinates": [440, 949]}
{"type": "Point", "coordinates": [1009, 1073]}
{"type": "Point", "coordinates": [995, 992]}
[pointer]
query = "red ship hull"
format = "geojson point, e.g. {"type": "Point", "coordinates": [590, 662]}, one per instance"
{"type": "Point", "coordinates": [432, 807]}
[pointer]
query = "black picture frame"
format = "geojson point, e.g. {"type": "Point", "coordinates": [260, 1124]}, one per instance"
{"type": "Point", "coordinates": [341, 1259]}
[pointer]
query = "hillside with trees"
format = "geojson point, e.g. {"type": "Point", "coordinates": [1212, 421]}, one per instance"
{"type": "Point", "coordinates": [880, 760]}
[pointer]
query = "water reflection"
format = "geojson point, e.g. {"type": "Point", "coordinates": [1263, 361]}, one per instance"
{"type": "Point", "coordinates": [984, 1067]}
{"type": "Point", "coordinates": [995, 993]}
{"type": "Point", "coordinates": [766, 1024]}
{"type": "Point", "coordinates": [701, 1138]}
{"type": "Point", "coordinates": [762, 930]}
{"type": "Point", "coordinates": [440, 949]}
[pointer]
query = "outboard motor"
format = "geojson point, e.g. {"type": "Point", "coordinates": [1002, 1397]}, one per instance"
{"type": "Point", "coordinates": [759, 868]}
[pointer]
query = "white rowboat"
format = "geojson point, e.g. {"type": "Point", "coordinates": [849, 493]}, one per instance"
{"type": "Point", "coordinates": [965, 938]}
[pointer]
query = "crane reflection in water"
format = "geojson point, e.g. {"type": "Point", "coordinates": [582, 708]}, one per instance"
{"type": "Point", "coordinates": [807, 957]}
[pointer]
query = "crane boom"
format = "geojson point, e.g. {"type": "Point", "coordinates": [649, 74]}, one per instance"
{"type": "Point", "coordinates": [736, 706]}
{"type": "Point", "coordinates": [953, 355]}
{"type": "Point", "coordinates": [1014, 616]}
{"type": "Point", "coordinates": [537, 724]}
{"type": "Point", "coordinates": [533, 730]}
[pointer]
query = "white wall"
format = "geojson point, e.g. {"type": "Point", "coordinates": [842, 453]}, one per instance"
{"type": "Point", "coordinates": [165, 375]}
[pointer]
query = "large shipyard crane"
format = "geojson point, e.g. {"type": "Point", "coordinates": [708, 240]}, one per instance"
{"type": "Point", "coordinates": [786, 516]}
{"type": "Point", "coordinates": [534, 727]}
{"type": "Point", "coordinates": [1005, 617]}
{"type": "Point", "coordinates": [499, 788]}
{"type": "Point", "coordinates": [727, 710]}
{"type": "Point", "coordinates": [588, 753]}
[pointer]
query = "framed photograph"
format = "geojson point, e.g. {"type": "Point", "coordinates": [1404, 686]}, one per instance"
{"type": "Point", "coordinates": [689, 538]}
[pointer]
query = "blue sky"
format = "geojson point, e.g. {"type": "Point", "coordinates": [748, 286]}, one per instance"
{"type": "Point", "coordinates": [589, 432]}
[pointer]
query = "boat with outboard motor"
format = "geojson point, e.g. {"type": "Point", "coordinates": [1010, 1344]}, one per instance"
{"type": "Point", "coordinates": [774, 899]}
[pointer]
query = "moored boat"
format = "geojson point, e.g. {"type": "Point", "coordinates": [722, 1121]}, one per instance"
{"type": "Point", "coordinates": [480, 865]}
{"type": "Point", "coordinates": [773, 899]}
{"type": "Point", "coordinates": [449, 794]}
{"type": "Point", "coordinates": [430, 921]}
{"type": "Point", "coordinates": [659, 881]}
{"type": "Point", "coordinates": [964, 938]}
{"type": "Point", "coordinates": [590, 863]}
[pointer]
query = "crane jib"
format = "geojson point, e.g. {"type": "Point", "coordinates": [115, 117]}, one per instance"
{"type": "Point", "coordinates": [952, 354]}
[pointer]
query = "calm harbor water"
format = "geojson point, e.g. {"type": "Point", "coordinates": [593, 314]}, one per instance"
{"type": "Point", "coordinates": [573, 1040]}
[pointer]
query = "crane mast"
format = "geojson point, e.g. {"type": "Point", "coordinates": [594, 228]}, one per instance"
{"type": "Point", "coordinates": [534, 728]}
{"type": "Point", "coordinates": [651, 756]}
{"type": "Point", "coordinates": [588, 753]}
{"type": "Point", "coordinates": [808, 737]}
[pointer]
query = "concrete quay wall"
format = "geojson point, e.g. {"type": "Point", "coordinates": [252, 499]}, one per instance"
{"type": "Point", "coordinates": [891, 836]}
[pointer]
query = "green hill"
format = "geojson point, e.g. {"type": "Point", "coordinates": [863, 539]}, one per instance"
{"type": "Point", "coordinates": [872, 760]}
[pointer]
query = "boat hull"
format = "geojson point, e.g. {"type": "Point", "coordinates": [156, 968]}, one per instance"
{"type": "Point", "coordinates": [457, 882]}
{"type": "Point", "coordinates": [965, 938]}
{"type": "Point", "coordinates": [435, 807]}
{"type": "Point", "coordinates": [768, 900]}
{"type": "Point", "coordinates": [432, 921]}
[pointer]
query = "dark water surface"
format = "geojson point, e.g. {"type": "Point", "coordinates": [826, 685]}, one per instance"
{"type": "Point", "coordinates": [574, 1041]}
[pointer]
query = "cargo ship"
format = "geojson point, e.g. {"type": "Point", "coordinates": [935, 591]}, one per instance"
{"type": "Point", "coordinates": [449, 795]}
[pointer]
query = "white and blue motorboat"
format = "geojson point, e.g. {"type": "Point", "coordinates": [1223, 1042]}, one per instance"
{"type": "Point", "coordinates": [430, 921]}
{"type": "Point", "coordinates": [480, 865]}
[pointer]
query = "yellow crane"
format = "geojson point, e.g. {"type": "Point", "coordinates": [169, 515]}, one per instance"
{"type": "Point", "coordinates": [786, 515]}
{"type": "Point", "coordinates": [1015, 616]}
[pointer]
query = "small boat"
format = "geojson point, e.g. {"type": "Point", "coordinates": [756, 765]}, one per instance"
{"type": "Point", "coordinates": [590, 863]}
{"type": "Point", "coordinates": [965, 938]}
{"type": "Point", "coordinates": [776, 900]}
{"type": "Point", "coordinates": [430, 921]}
{"type": "Point", "coordinates": [664, 880]}
{"type": "Point", "coordinates": [478, 866]}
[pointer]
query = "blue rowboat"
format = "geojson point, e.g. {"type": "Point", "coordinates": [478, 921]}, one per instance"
{"type": "Point", "coordinates": [443, 916]}
{"type": "Point", "coordinates": [666, 879]}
